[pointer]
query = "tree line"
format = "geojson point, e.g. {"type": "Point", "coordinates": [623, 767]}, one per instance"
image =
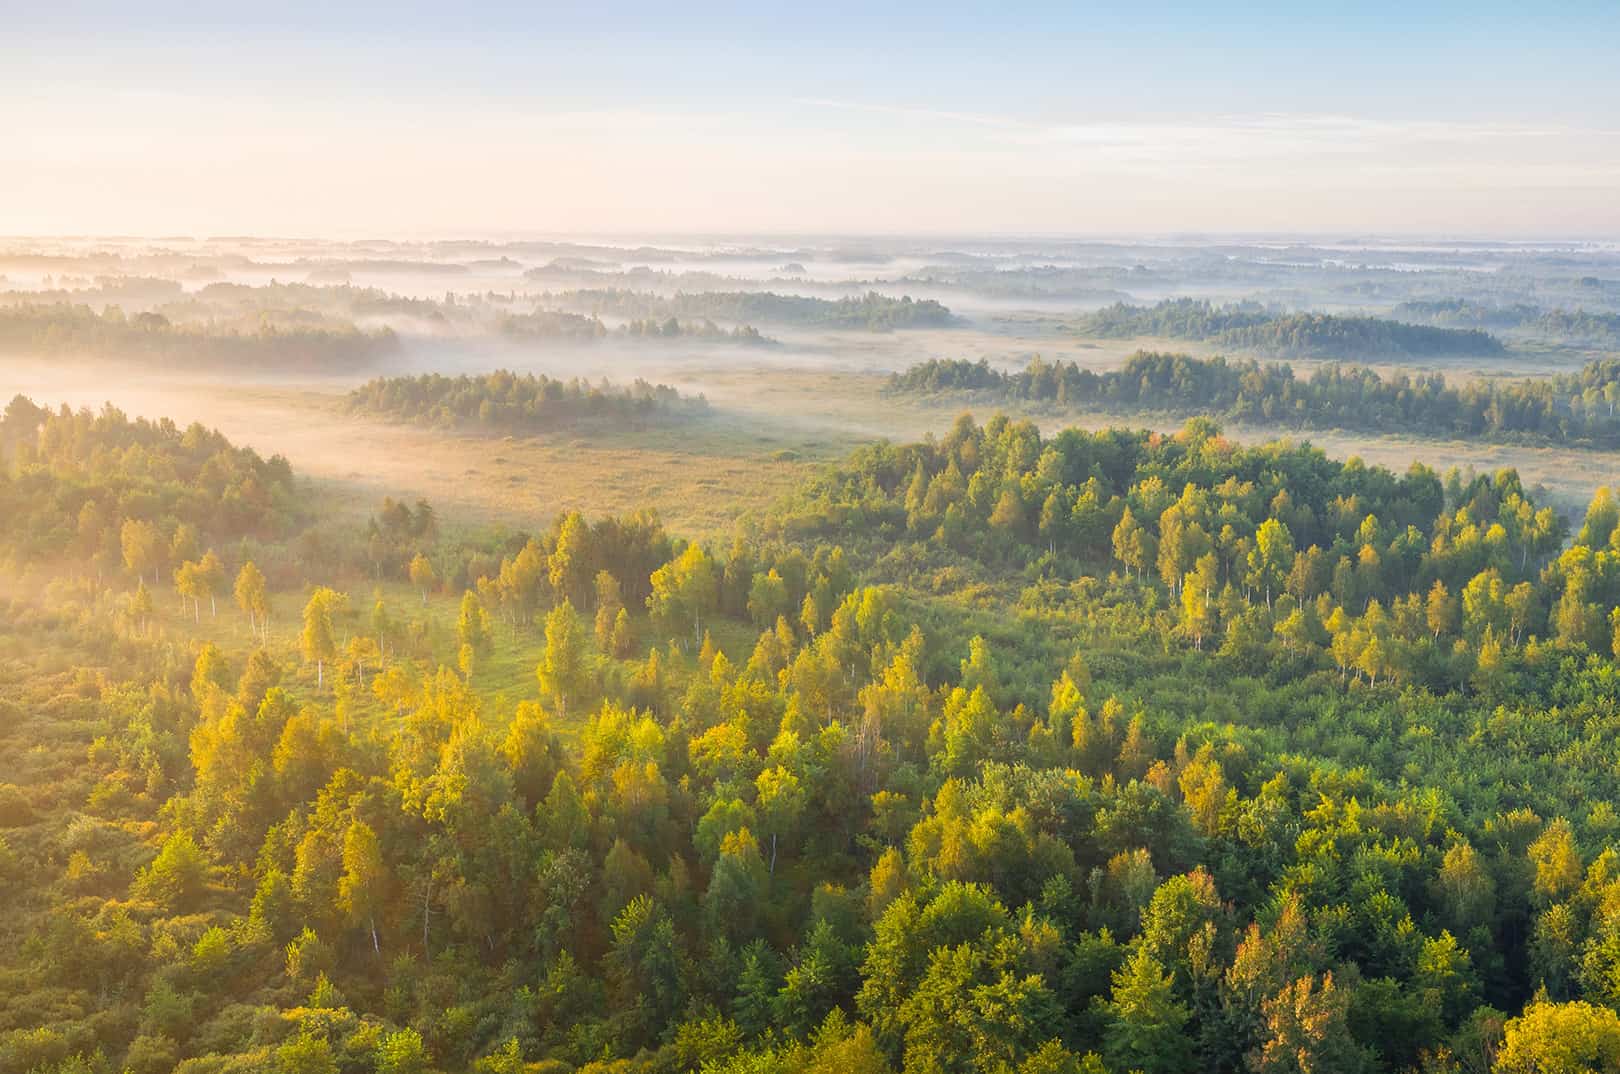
{"type": "Point", "coordinates": [65, 329]}
{"type": "Point", "coordinates": [871, 311]}
{"type": "Point", "coordinates": [1575, 326]}
{"type": "Point", "coordinates": [1250, 326]}
{"type": "Point", "coordinates": [561, 324]}
{"type": "Point", "coordinates": [527, 402]}
{"type": "Point", "coordinates": [1566, 407]}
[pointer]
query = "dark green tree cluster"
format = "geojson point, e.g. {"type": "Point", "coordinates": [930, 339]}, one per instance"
{"type": "Point", "coordinates": [1249, 326]}
{"type": "Point", "coordinates": [514, 402]}
{"type": "Point", "coordinates": [1568, 407]}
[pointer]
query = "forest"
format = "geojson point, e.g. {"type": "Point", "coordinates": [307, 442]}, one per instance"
{"type": "Point", "coordinates": [558, 324]}
{"type": "Point", "coordinates": [304, 342]}
{"type": "Point", "coordinates": [995, 751]}
{"type": "Point", "coordinates": [225, 300]}
{"type": "Point", "coordinates": [1563, 408]}
{"type": "Point", "coordinates": [511, 402]}
{"type": "Point", "coordinates": [299, 325]}
{"type": "Point", "coordinates": [1575, 326]}
{"type": "Point", "coordinates": [1250, 326]}
{"type": "Point", "coordinates": [871, 311]}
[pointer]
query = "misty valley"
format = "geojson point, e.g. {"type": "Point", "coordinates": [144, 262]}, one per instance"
{"type": "Point", "coordinates": [751, 655]}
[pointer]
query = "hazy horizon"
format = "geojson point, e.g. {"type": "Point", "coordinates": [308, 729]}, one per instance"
{"type": "Point", "coordinates": [630, 119]}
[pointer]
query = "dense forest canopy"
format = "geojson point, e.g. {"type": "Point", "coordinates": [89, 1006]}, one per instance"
{"type": "Point", "coordinates": [1249, 326]}
{"type": "Point", "coordinates": [514, 402]}
{"type": "Point", "coordinates": [303, 341]}
{"type": "Point", "coordinates": [1092, 752]}
{"type": "Point", "coordinates": [1566, 407]}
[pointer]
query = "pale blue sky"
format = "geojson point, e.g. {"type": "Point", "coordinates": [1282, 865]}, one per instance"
{"type": "Point", "coordinates": [435, 119]}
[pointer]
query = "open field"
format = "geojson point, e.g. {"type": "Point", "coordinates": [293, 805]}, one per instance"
{"type": "Point", "coordinates": [699, 476]}
{"type": "Point", "coordinates": [772, 423]}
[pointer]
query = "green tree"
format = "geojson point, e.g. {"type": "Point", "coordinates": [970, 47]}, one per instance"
{"type": "Point", "coordinates": [210, 580]}
{"type": "Point", "coordinates": [1133, 544]}
{"type": "Point", "coordinates": [253, 597]}
{"type": "Point", "coordinates": [623, 640]}
{"type": "Point", "coordinates": [422, 575]}
{"type": "Point", "coordinates": [1560, 1038]}
{"type": "Point", "coordinates": [563, 672]}
{"type": "Point", "coordinates": [143, 547]}
{"type": "Point", "coordinates": [1197, 600]}
{"type": "Point", "coordinates": [685, 590]}
{"type": "Point", "coordinates": [973, 1011]}
{"type": "Point", "coordinates": [140, 606]}
{"type": "Point", "coordinates": [644, 964]}
{"type": "Point", "coordinates": [781, 801]}
{"type": "Point", "coordinates": [609, 603]}
{"type": "Point", "coordinates": [768, 599]}
{"type": "Point", "coordinates": [362, 887]}
{"type": "Point", "coordinates": [472, 625]}
{"type": "Point", "coordinates": [402, 1053]}
{"type": "Point", "coordinates": [317, 641]}
{"type": "Point", "coordinates": [1147, 1027]}
{"type": "Point", "coordinates": [570, 562]}
{"type": "Point", "coordinates": [306, 1053]}
{"type": "Point", "coordinates": [1556, 860]}
{"type": "Point", "coordinates": [177, 876]}
{"type": "Point", "coordinates": [1441, 610]}
{"type": "Point", "coordinates": [1271, 558]}
{"type": "Point", "coordinates": [188, 583]}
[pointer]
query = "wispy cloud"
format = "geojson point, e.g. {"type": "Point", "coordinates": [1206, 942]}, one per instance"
{"type": "Point", "coordinates": [1276, 146]}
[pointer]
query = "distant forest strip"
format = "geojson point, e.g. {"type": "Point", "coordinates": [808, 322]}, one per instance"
{"type": "Point", "coordinates": [316, 343]}
{"type": "Point", "coordinates": [510, 402]}
{"type": "Point", "coordinates": [1575, 326]}
{"type": "Point", "coordinates": [1568, 408]}
{"type": "Point", "coordinates": [560, 324]}
{"type": "Point", "coordinates": [337, 299]}
{"type": "Point", "coordinates": [872, 311]}
{"type": "Point", "coordinates": [1250, 326]}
